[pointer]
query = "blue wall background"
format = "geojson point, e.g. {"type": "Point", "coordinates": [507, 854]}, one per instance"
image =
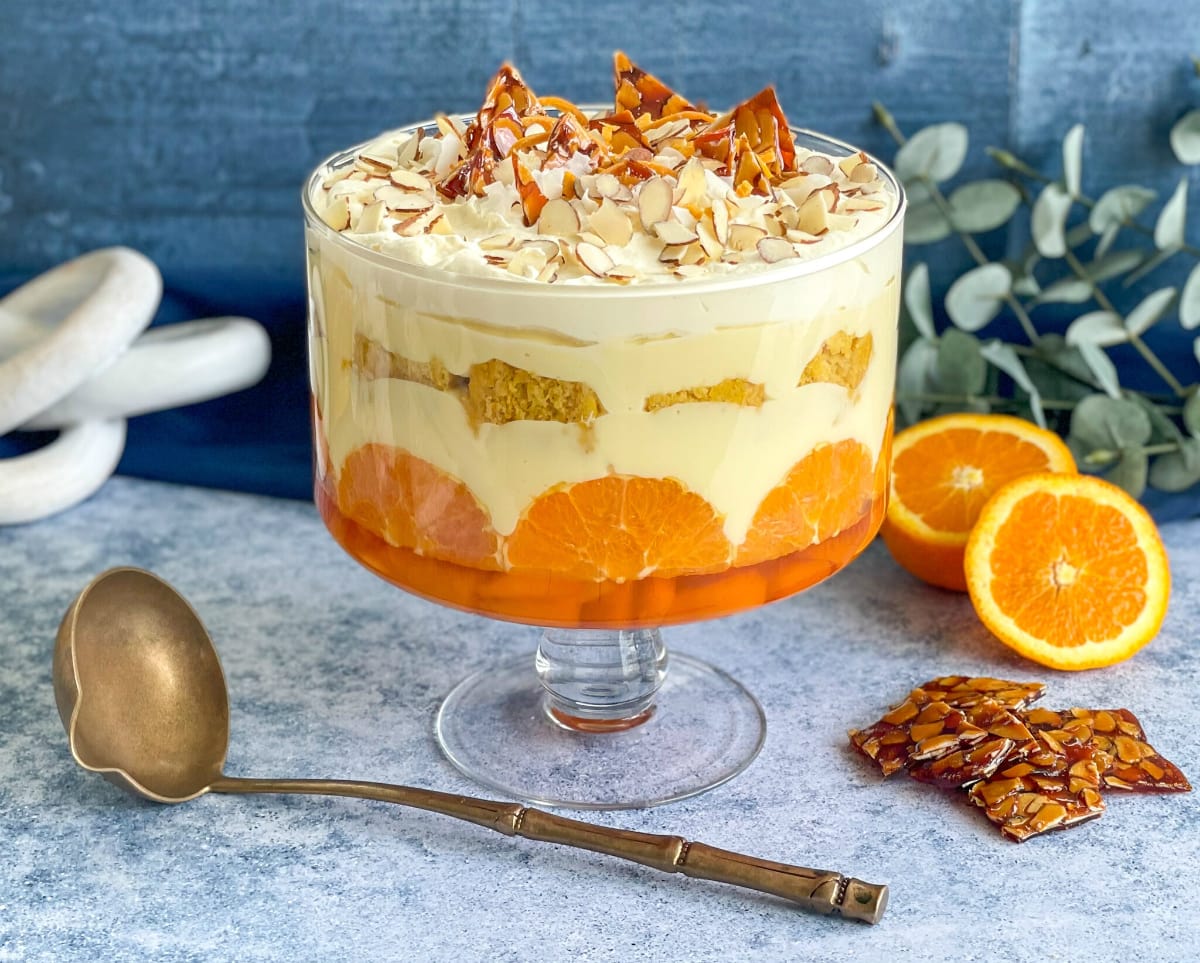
{"type": "Point", "coordinates": [185, 130]}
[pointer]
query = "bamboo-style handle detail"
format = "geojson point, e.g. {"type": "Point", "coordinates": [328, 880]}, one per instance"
{"type": "Point", "coordinates": [818, 890]}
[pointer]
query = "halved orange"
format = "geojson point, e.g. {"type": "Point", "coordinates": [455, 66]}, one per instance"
{"type": "Point", "coordinates": [412, 504]}
{"type": "Point", "coordinates": [943, 471]}
{"type": "Point", "coordinates": [1069, 570]}
{"type": "Point", "coordinates": [620, 527]}
{"type": "Point", "coordinates": [823, 494]}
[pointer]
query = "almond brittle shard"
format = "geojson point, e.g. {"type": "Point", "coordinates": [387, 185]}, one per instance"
{"type": "Point", "coordinates": [964, 691]}
{"type": "Point", "coordinates": [532, 198]}
{"type": "Point", "coordinates": [572, 143]}
{"type": "Point", "coordinates": [508, 93]}
{"type": "Point", "coordinates": [642, 93]}
{"type": "Point", "coordinates": [761, 121]}
{"type": "Point", "coordinates": [620, 131]}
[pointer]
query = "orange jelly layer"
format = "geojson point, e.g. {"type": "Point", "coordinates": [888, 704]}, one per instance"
{"type": "Point", "coordinates": [552, 600]}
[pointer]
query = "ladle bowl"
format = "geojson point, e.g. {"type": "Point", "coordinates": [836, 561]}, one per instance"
{"type": "Point", "coordinates": [143, 698]}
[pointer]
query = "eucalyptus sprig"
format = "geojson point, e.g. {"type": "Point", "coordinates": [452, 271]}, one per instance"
{"type": "Point", "coordinates": [1080, 252]}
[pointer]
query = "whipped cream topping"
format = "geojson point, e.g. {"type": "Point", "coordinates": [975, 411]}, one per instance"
{"type": "Point", "coordinates": [652, 189]}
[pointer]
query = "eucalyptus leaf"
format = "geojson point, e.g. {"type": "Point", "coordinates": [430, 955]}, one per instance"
{"type": "Point", "coordinates": [918, 300]}
{"type": "Point", "coordinates": [1072, 148]}
{"type": "Point", "coordinates": [1102, 367]}
{"type": "Point", "coordinates": [1078, 235]}
{"type": "Point", "coordinates": [936, 152]}
{"type": "Point", "coordinates": [1102, 328]}
{"type": "Point", "coordinates": [1110, 424]}
{"type": "Point", "coordinates": [1149, 310]}
{"type": "Point", "coordinates": [1131, 471]}
{"type": "Point", "coordinates": [1177, 471]}
{"type": "Point", "coordinates": [1118, 206]}
{"type": "Point", "coordinates": [1059, 371]}
{"type": "Point", "coordinates": [1005, 358]}
{"type": "Point", "coordinates": [1189, 301]}
{"type": "Point", "coordinates": [977, 296]}
{"type": "Point", "coordinates": [915, 376]}
{"type": "Point", "coordinates": [1066, 291]}
{"type": "Point", "coordinates": [1151, 262]}
{"type": "Point", "coordinates": [925, 224]}
{"type": "Point", "coordinates": [1049, 220]}
{"type": "Point", "coordinates": [1169, 228]}
{"type": "Point", "coordinates": [1191, 414]}
{"type": "Point", "coordinates": [1185, 138]}
{"type": "Point", "coordinates": [983, 205]}
{"type": "Point", "coordinates": [1108, 266]}
{"type": "Point", "coordinates": [1107, 236]}
{"type": "Point", "coordinates": [1162, 429]}
{"type": "Point", "coordinates": [1026, 286]}
{"type": "Point", "coordinates": [961, 369]}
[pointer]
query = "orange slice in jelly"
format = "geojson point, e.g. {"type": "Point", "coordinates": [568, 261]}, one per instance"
{"type": "Point", "coordinates": [825, 493]}
{"type": "Point", "coordinates": [412, 504]}
{"type": "Point", "coordinates": [620, 527]}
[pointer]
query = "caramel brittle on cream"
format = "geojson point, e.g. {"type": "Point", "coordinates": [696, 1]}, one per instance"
{"type": "Point", "coordinates": [655, 187]}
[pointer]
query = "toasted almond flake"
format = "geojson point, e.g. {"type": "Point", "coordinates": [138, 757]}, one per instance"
{"type": "Point", "coordinates": [813, 216]}
{"type": "Point", "coordinates": [840, 222]}
{"type": "Point", "coordinates": [801, 237]}
{"type": "Point", "coordinates": [414, 224]}
{"type": "Point", "coordinates": [744, 237]}
{"type": "Point", "coordinates": [407, 153]}
{"type": "Point", "coordinates": [713, 248]}
{"type": "Point", "coordinates": [498, 242]}
{"type": "Point", "coordinates": [337, 214]}
{"type": "Point", "coordinates": [830, 194]}
{"type": "Point", "coordinates": [371, 219]}
{"type": "Point", "coordinates": [350, 188]}
{"type": "Point", "coordinates": [672, 232]}
{"type": "Point", "coordinates": [409, 180]}
{"type": "Point", "coordinates": [549, 249]}
{"type": "Point", "coordinates": [773, 249]}
{"type": "Point", "coordinates": [591, 237]}
{"type": "Point", "coordinates": [335, 176]}
{"type": "Point", "coordinates": [549, 274]}
{"type": "Point", "coordinates": [528, 262]}
{"type": "Point", "coordinates": [817, 164]}
{"type": "Point", "coordinates": [720, 220]}
{"type": "Point", "coordinates": [558, 218]}
{"type": "Point", "coordinates": [654, 202]}
{"type": "Point", "coordinates": [672, 253]}
{"type": "Point", "coordinates": [692, 188]}
{"type": "Point", "coordinates": [439, 225]}
{"type": "Point", "coordinates": [622, 274]}
{"type": "Point", "coordinates": [864, 173]}
{"type": "Point", "coordinates": [848, 164]}
{"type": "Point", "coordinates": [593, 258]}
{"type": "Point", "coordinates": [861, 204]}
{"type": "Point", "coordinates": [611, 223]}
{"type": "Point", "coordinates": [398, 200]}
{"type": "Point", "coordinates": [689, 271]}
{"type": "Point", "coordinates": [667, 131]}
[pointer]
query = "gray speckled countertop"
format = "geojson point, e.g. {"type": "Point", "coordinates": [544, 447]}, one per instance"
{"type": "Point", "coordinates": [334, 673]}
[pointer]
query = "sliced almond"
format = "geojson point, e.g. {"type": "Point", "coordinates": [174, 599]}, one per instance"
{"type": "Point", "coordinates": [812, 217]}
{"type": "Point", "coordinates": [371, 219]}
{"type": "Point", "coordinates": [337, 214]}
{"type": "Point", "coordinates": [607, 185]}
{"type": "Point", "coordinates": [667, 131]}
{"type": "Point", "coordinates": [350, 188]}
{"type": "Point", "coordinates": [720, 219]}
{"type": "Point", "coordinates": [548, 248]}
{"type": "Point", "coordinates": [398, 200]}
{"type": "Point", "coordinates": [415, 224]}
{"type": "Point", "coordinates": [862, 204]}
{"type": "Point", "coordinates": [334, 176]}
{"type": "Point", "coordinates": [528, 262]}
{"type": "Point", "coordinates": [743, 237]}
{"type": "Point", "coordinates": [622, 274]}
{"type": "Point", "coordinates": [594, 259]}
{"type": "Point", "coordinates": [591, 237]}
{"type": "Point", "coordinates": [498, 242]}
{"type": "Point", "coordinates": [407, 152]}
{"type": "Point", "coordinates": [654, 202]}
{"type": "Point", "coordinates": [864, 173]}
{"type": "Point", "coordinates": [549, 274]}
{"type": "Point", "coordinates": [840, 222]}
{"type": "Point", "coordinates": [611, 223]}
{"type": "Point", "coordinates": [801, 237]}
{"type": "Point", "coordinates": [438, 225]}
{"type": "Point", "coordinates": [692, 189]}
{"type": "Point", "coordinates": [558, 219]}
{"type": "Point", "coordinates": [774, 249]}
{"type": "Point", "coordinates": [376, 161]}
{"type": "Point", "coordinates": [672, 232]}
{"type": "Point", "coordinates": [692, 254]}
{"type": "Point", "coordinates": [712, 247]}
{"type": "Point", "coordinates": [847, 164]}
{"type": "Point", "coordinates": [817, 164]}
{"type": "Point", "coordinates": [689, 271]}
{"type": "Point", "coordinates": [672, 253]}
{"type": "Point", "coordinates": [409, 180]}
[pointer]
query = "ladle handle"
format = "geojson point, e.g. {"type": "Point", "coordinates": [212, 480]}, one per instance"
{"type": "Point", "coordinates": [818, 890]}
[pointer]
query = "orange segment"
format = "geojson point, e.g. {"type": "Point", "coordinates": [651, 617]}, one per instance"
{"type": "Point", "coordinates": [620, 527]}
{"type": "Point", "coordinates": [943, 472]}
{"type": "Point", "coordinates": [410, 503]}
{"type": "Point", "coordinates": [825, 492]}
{"type": "Point", "coordinates": [1069, 570]}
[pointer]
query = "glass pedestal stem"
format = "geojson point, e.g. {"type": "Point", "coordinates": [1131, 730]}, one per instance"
{"type": "Point", "coordinates": [600, 680]}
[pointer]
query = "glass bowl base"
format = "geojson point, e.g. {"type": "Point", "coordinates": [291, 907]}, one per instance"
{"type": "Point", "coordinates": [704, 729]}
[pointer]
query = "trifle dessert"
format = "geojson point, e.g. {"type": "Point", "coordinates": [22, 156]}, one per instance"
{"type": "Point", "coordinates": [613, 366]}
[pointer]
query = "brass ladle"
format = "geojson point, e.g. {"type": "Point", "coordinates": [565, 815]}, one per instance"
{"type": "Point", "coordinates": [141, 693]}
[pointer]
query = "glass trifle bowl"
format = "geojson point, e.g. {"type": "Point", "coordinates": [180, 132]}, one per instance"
{"type": "Point", "coordinates": [602, 379]}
